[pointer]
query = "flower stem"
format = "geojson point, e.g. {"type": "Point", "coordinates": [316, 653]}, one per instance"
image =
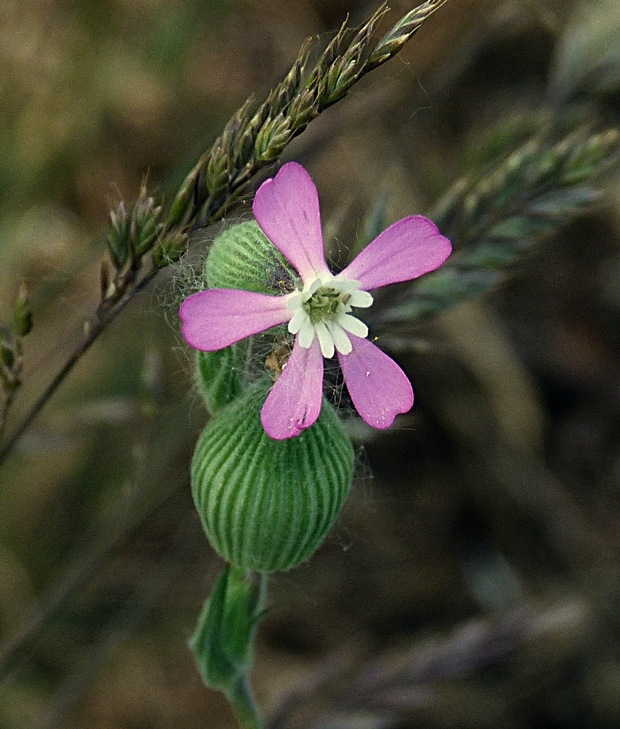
{"type": "Point", "coordinates": [92, 331]}
{"type": "Point", "coordinates": [242, 700]}
{"type": "Point", "coordinates": [4, 411]}
{"type": "Point", "coordinates": [248, 143]}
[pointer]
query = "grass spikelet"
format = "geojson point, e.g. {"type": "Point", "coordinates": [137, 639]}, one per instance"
{"type": "Point", "coordinates": [494, 217]}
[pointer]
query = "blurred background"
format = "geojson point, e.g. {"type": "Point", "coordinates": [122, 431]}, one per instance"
{"type": "Point", "coordinates": [473, 577]}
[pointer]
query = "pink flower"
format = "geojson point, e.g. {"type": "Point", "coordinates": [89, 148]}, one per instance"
{"type": "Point", "coordinates": [320, 315]}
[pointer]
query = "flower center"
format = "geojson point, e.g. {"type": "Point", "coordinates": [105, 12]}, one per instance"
{"type": "Point", "coordinates": [322, 309]}
{"type": "Point", "coordinates": [326, 304]}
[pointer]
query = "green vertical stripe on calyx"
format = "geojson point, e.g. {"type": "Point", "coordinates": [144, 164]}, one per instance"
{"type": "Point", "coordinates": [267, 505]}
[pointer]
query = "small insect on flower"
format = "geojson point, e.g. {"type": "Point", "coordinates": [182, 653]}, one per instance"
{"type": "Point", "coordinates": [320, 313]}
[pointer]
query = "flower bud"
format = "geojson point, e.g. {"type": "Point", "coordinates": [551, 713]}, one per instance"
{"type": "Point", "coordinates": [219, 375]}
{"type": "Point", "coordinates": [267, 505]}
{"type": "Point", "coordinates": [242, 257]}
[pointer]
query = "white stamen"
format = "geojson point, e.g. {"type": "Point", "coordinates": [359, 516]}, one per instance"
{"type": "Point", "coordinates": [331, 333]}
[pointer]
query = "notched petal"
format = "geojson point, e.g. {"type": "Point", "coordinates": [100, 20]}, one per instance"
{"type": "Point", "coordinates": [407, 249]}
{"type": "Point", "coordinates": [378, 387]}
{"type": "Point", "coordinates": [294, 402]}
{"type": "Point", "coordinates": [286, 208]}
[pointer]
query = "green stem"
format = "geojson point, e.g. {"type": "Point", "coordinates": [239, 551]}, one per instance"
{"type": "Point", "coordinates": [4, 411]}
{"type": "Point", "coordinates": [94, 329]}
{"type": "Point", "coordinates": [242, 700]}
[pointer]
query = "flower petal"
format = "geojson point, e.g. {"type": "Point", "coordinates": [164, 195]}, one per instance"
{"type": "Point", "coordinates": [360, 299]}
{"type": "Point", "coordinates": [353, 325]}
{"type": "Point", "coordinates": [340, 337]}
{"type": "Point", "coordinates": [287, 210]}
{"type": "Point", "coordinates": [407, 249]}
{"type": "Point", "coordinates": [325, 340]}
{"type": "Point", "coordinates": [294, 402]}
{"type": "Point", "coordinates": [216, 318]}
{"type": "Point", "coordinates": [297, 320]}
{"type": "Point", "coordinates": [377, 385]}
{"type": "Point", "coordinates": [306, 333]}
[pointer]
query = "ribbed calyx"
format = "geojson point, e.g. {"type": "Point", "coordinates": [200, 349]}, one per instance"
{"type": "Point", "coordinates": [267, 505]}
{"type": "Point", "coordinates": [242, 257]}
{"type": "Point", "coordinates": [220, 375]}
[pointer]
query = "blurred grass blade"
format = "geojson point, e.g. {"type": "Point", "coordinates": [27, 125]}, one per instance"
{"type": "Point", "coordinates": [495, 217]}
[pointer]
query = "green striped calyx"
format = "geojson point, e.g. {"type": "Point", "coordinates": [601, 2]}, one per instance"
{"type": "Point", "coordinates": [220, 375]}
{"type": "Point", "coordinates": [241, 257]}
{"type": "Point", "coordinates": [267, 505]}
